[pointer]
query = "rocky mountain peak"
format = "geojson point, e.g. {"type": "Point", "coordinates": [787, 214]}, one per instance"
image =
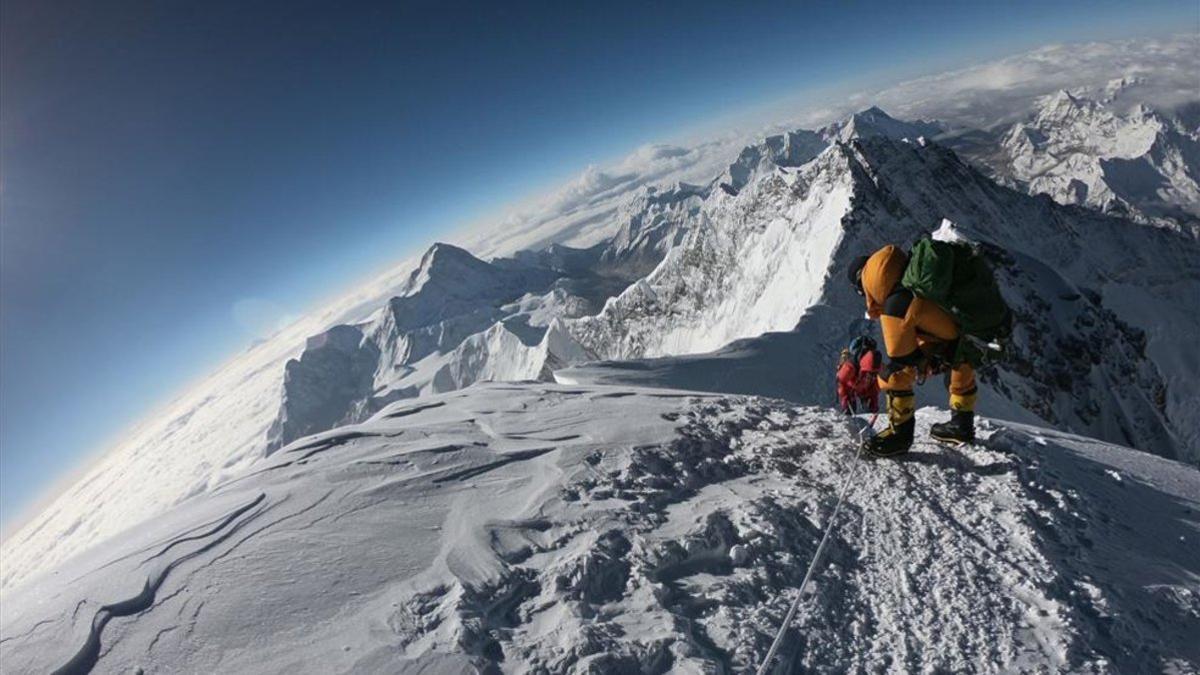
{"type": "Point", "coordinates": [446, 261]}
{"type": "Point", "coordinates": [1061, 107]}
{"type": "Point", "coordinates": [875, 122]}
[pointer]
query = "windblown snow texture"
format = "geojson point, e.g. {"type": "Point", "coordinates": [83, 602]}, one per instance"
{"type": "Point", "coordinates": [543, 528]}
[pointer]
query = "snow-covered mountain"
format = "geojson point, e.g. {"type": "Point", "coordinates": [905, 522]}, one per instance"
{"type": "Point", "coordinates": [459, 320]}
{"type": "Point", "coordinates": [1140, 164]}
{"type": "Point", "coordinates": [684, 268]}
{"type": "Point", "coordinates": [350, 371]}
{"type": "Point", "coordinates": [543, 528]}
{"type": "Point", "coordinates": [1102, 344]}
{"type": "Point", "coordinates": [875, 122]}
{"type": "Point", "coordinates": [751, 256]}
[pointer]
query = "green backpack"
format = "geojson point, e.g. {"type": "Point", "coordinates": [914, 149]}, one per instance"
{"type": "Point", "coordinates": [960, 281]}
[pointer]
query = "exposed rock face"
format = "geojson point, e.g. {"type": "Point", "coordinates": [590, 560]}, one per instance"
{"type": "Point", "coordinates": [335, 370]}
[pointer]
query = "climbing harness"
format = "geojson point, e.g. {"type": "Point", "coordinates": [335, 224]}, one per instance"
{"type": "Point", "coordinates": [787, 620]}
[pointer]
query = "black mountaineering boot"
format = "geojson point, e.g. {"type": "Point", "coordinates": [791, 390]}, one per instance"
{"type": "Point", "coordinates": [897, 438]}
{"type": "Point", "coordinates": [959, 430]}
{"type": "Point", "coordinates": [892, 441]}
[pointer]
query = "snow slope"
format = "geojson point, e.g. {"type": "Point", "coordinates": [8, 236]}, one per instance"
{"type": "Point", "coordinates": [215, 429]}
{"type": "Point", "coordinates": [222, 425]}
{"type": "Point", "coordinates": [542, 528]}
{"type": "Point", "coordinates": [757, 247]}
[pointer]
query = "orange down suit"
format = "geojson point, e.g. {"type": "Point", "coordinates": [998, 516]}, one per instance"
{"type": "Point", "coordinates": [912, 327]}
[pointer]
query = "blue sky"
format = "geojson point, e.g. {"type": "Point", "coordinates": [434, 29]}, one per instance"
{"type": "Point", "coordinates": [162, 164]}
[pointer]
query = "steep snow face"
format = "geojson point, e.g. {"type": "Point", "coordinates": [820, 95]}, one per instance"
{"type": "Point", "coordinates": [1109, 276]}
{"type": "Point", "coordinates": [753, 262]}
{"type": "Point", "coordinates": [1078, 151]}
{"type": "Point", "coordinates": [539, 528]}
{"type": "Point", "coordinates": [653, 221]}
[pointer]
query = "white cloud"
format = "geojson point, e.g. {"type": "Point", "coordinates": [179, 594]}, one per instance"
{"type": "Point", "coordinates": [998, 91]}
{"type": "Point", "coordinates": [580, 211]}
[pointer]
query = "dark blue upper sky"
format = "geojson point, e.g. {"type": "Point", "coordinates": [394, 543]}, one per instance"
{"type": "Point", "coordinates": [161, 162]}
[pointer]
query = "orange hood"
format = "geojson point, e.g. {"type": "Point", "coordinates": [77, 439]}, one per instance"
{"type": "Point", "coordinates": [880, 275]}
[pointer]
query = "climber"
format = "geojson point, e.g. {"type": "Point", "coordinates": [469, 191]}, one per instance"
{"type": "Point", "coordinates": [922, 337]}
{"type": "Point", "coordinates": [869, 360]}
{"type": "Point", "coordinates": [847, 379]}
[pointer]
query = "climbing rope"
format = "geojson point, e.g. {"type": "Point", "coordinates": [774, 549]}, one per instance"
{"type": "Point", "coordinates": [787, 620]}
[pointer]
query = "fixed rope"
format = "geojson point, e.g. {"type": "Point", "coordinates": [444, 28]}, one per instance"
{"type": "Point", "coordinates": [787, 620]}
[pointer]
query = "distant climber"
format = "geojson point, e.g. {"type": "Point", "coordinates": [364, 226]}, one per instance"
{"type": "Point", "coordinates": [868, 359]}
{"type": "Point", "coordinates": [847, 382]}
{"type": "Point", "coordinates": [929, 305]}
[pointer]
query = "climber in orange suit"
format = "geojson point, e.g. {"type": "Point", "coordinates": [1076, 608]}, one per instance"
{"type": "Point", "coordinates": [919, 338]}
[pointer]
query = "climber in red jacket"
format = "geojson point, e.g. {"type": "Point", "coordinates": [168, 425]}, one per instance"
{"type": "Point", "coordinates": [847, 381]}
{"type": "Point", "coordinates": [869, 360]}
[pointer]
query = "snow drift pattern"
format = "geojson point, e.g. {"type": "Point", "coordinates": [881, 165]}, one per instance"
{"type": "Point", "coordinates": [536, 528]}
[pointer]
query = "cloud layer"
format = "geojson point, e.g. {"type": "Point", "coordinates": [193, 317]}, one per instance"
{"type": "Point", "coordinates": [1161, 73]}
